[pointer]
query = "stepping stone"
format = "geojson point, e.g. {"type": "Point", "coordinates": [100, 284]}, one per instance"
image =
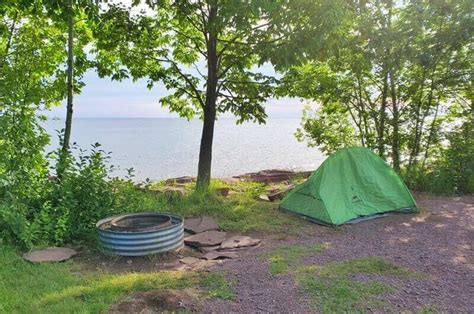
{"type": "Point", "coordinates": [208, 238]}
{"type": "Point", "coordinates": [53, 254]}
{"type": "Point", "coordinates": [207, 249]}
{"type": "Point", "coordinates": [220, 255]}
{"type": "Point", "coordinates": [239, 241]}
{"type": "Point", "coordinates": [189, 260]}
{"type": "Point", "coordinates": [201, 224]}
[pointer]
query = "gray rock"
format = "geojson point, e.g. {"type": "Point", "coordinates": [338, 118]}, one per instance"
{"type": "Point", "coordinates": [239, 241]}
{"type": "Point", "coordinates": [52, 254]}
{"type": "Point", "coordinates": [207, 249]}
{"type": "Point", "coordinates": [222, 191]}
{"type": "Point", "coordinates": [201, 224]}
{"type": "Point", "coordinates": [208, 238]}
{"type": "Point", "coordinates": [220, 254]}
{"type": "Point", "coordinates": [189, 260]}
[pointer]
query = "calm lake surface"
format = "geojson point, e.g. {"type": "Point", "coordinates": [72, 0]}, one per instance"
{"type": "Point", "coordinates": [168, 147]}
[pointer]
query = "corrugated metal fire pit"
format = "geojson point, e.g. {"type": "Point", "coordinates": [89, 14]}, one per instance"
{"type": "Point", "coordinates": [141, 234]}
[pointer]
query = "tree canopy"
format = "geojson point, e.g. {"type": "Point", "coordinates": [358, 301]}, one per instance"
{"type": "Point", "coordinates": [207, 53]}
{"type": "Point", "coordinates": [399, 83]}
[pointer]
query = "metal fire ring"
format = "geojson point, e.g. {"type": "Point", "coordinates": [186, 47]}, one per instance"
{"type": "Point", "coordinates": [157, 236]}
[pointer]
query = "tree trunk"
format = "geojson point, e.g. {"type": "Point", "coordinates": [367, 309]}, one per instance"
{"type": "Point", "coordinates": [205, 152]}
{"type": "Point", "coordinates": [209, 110]}
{"type": "Point", "coordinates": [395, 125]}
{"type": "Point", "coordinates": [381, 130]}
{"type": "Point", "coordinates": [70, 79]}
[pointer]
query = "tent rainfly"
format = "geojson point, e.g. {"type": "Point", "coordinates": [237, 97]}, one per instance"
{"type": "Point", "coordinates": [351, 184]}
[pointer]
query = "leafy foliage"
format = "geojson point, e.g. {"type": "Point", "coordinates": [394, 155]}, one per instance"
{"type": "Point", "coordinates": [67, 208]}
{"type": "Point", "coordinates": [206, 54]}
{"type": "Point", "coordinates": [401, 76]}
{"type": "Point", "coordinates": [453, 171]}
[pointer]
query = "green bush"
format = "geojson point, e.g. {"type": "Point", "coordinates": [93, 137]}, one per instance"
{"type": "Point", "coordinates": [453, 171]}
{"type": "Point", "coordinates": [69, 205]}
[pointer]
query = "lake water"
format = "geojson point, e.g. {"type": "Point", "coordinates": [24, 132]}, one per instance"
{"type": "Point", "coordinates": [167, 147]}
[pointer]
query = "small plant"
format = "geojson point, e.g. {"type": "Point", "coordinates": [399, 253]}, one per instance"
{"type": "Point", "coordinates": [333, 290]}
{"type": "Point", "coordinates": [217, 286]}
{"type": "Point", "coordinates": [284, 257]}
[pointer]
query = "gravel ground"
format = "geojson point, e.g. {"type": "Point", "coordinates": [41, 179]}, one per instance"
{"type": "Point", "coordinates": [437, 242]}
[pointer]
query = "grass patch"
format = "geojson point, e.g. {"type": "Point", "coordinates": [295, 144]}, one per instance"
{"type": "Point", "coordinates": [240, 211]}
{"type": "Point", "coordinates": [217, 286]}
{"type": "Point", "coordinates": [62, 288]}
{"type": "Point", "coordinates": [333, 290]}
{"type": "Point", "coordinates": [283, 257]}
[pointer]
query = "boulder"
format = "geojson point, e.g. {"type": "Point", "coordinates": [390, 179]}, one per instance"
{"type": "Point", "coordinates": [220, 255]}
{"type": "Point", "coordinates": [52, 254]}
{"type": "Point", "coordinates": [239, 241]}
{"type": "Point", "coordinates": [201, 224]}
{"type": "Point", "coordinates": [208, 238]}
{"type": "Point", "coordinates": [222, 191]}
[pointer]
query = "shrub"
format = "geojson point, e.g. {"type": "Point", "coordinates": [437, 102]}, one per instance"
{"type": "Point", "coordinates": [453, 171]}
{"type": "Point", "coordinates": [70, 204]}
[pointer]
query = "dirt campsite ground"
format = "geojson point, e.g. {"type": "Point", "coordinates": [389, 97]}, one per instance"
{"type": "Point", "coordinates": [435, 244]}
{"type": "Point", "coordinates": [417, 263]}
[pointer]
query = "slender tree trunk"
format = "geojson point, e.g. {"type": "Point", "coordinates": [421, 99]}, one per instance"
{"type": "Point", "coordinates": [70, 79]}
{"type": "Point", "coordinates": [395, 125]}
{"type": "Point", "coordinates": [381, 130]}
{"type": "Point", "coordinates": [431, 135]}
{"type": "Point", "coordinates": [205, 152]}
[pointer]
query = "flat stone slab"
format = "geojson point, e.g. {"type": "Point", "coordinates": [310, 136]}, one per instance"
{"type": "Point", "coordinates": [201, 224]}
{"type": "Point", "coordinates": [220, 255]}
{"type": "Point", "coordinates": [208, 238]}
{"type": "Point", "coordinates": [197, 264]}
{"type": "Point", "coordinates": [189, 260]}
{"type": "Point", "coordinates": [239, 241]}
{"type": "Point", "coordinates": [52, 254]}
{"type": "Point", "coordinates": [207, 249]}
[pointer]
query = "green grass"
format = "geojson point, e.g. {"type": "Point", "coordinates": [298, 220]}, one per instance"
{"type": "Point", "coordinates": [284, 257]}
{"type": "Point", "coordinates": [217, 286]}
{"type": "Point", "coordinates": [62, 288]}
{"type": "Point", "coordinates": [241, 211]}
{"type": "Point", "coordinates": [333, 290]}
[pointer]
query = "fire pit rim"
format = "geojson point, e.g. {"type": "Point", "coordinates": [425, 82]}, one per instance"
{"type": "Point", "coordinates": [174, 217]}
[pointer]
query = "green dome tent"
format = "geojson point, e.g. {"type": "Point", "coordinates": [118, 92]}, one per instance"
{"type": "Point", "coordinates": [352, 183]}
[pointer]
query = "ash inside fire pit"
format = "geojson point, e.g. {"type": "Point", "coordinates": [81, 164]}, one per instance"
{"type": "Point", "coordinates": [140, 222]}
